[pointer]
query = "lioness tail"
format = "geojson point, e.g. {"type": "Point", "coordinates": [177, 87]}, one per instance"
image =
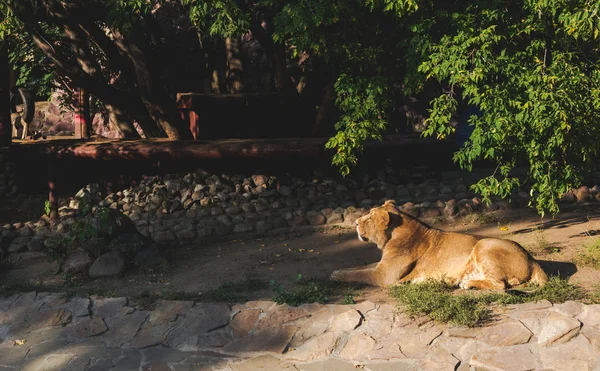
{"type": "Point", "coordinates": [538, 275]}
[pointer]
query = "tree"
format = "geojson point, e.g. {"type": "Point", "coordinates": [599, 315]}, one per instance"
{"type": "Point", "coordinates": [529, 67]}
{"type": "Point", "coordinates": [108, 49]}
{"type": "Point", "coordinates": [532, 69]}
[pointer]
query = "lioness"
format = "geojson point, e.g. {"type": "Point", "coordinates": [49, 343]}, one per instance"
{"type": "Point", "coordinates": [413, 251]}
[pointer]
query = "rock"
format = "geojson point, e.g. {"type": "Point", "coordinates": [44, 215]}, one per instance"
{"type": "Point", "coordinates": [109, 264]}
{"type": "Point", "coordinates": [108, 307]}
{"type": "Point", "coordinates": [315, 348]}
{"type": "Point", "coordinates": [576, 355]}
{"type": "Point", "coordinates": [357, 347]}
{"type": "Point", "coordinates": [149, 258]}
{"type": "Point", "coordinates": [260, 180]}
{"type": "Point", "coordinates": [299, 221]}
{"type": "Point", "coordinates": [558, 329]}
{"type": "Point", "coordinates": [263, 226]}
{"type": "Point", "coordinates": [19, 244]}
{"type": "Point", "coordinates": [430, 213]}
{"type": "Point", "coordinates": [242, 228]}
{"type": "Point", "coordinates": [186, 235]}
{"type": "Point", "coordinates": [316, 219]}
{"type": "Point", "coordinates": [163, 237]}
{"type": "Point", "coordinates": [591, 315]}
{"type": "Point", "coordinates": [244, 321]}
{"type": "Point", "coordinates": [346, 321]}
{"type": "Point", "coordinates": [262, 363]}
{"type": "Point", "coordinates": [270, 340]}
{"type": "Point", "coordinates": [77, 262]}
{"type": "Point", "coordinates": [515, 358]}
{"type": "Point", "coordinates": [128, 243]}
{"type": "Point", "coordinates": [569, 197]}
{"type": "Point", "coordinates": [504, 334]}
{"type": "Point", "coordinates": [570, 308]}
{"type": "Point", "coordinates": [88, 327]}
{"type": "Point", "coordinates": [286, 191]}
{"type": "Point", "coordinates": [335, 218]}
{"type": "Point", "coordinates": [202, 318]}
{"type": "Point", "coordinates": [233, 210]}
{"type": "Point", "coordinates": [80, 307]}
{"type": "Point", "coordinates": [204, 232]}
{"type": "Point", "coordinates": [582, 194]}
{"type": "Point", "coordinates": [36, 244]}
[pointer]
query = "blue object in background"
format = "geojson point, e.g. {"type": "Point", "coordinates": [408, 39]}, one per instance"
{"type": "Point", "coordinates": [464, 130]}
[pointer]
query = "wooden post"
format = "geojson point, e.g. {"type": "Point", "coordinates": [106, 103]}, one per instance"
{"type": "Point", "coordinates": [82, 114]}
{"type": "Point", "coordinates": [52, 191]}
{"type": "Point", "coordinates": [5, 124]}
{"type": "Point", "coordinates": [185, 104]}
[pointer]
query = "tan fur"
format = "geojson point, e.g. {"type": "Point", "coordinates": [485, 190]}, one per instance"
{"type": "Point", "coordinates": [413, 251]}
{"type": "Point", "coordinates": [17, 121]}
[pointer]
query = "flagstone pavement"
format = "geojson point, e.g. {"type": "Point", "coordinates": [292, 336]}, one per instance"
{"type": "Point", "coordinates": [42, 331]}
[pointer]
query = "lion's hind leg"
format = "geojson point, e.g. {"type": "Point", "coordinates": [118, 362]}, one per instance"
{"type": "Point", "coordinates": [481, 273]}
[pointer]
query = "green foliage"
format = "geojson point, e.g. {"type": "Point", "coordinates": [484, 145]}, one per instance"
{"type": "Point", "coordinates": [363, 103]}
{"type": "Point", "coordinates": [218, 17]}
{"type": "Point", "coordinates": [58, 249]}
{"type": "Point", "coordinates": [537, 84]}
{"type": "Point", "coordinates": [80, 231]}
{"type": "Point", "coordinates": [47, 208]}
{"type": "Point", "coordinates": [531, 67]}
{"type": "Point", "coordinates": [590, 255]}
{"type": "Point", "coordinates": [348, 300]}
{"type": "Point", "coordinates": [436, 299]}
{"type": "Point", "coordinates": [304, 292]}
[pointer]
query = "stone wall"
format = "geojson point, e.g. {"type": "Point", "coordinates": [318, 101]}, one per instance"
{"type": "Point", "coordinates": [8, 176]}
{"type": "Point", "coordinates": [188, 208]}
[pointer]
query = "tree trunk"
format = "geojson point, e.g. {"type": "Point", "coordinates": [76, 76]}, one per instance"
{"type": "Point", "coordinates": [276, 53]}
{"type": "Point", "coordinates": [325, 108]}
{"type": "Point", "coordinates": [122, 123]}
{"type": "Point", "coordinates": [5, 124]}
{"type": "Point", "coordinates": [88, 64]}
{"type": "Point", "coordinates": [161, 108]}
{"type": "Point", "coordinates": [234, 73]}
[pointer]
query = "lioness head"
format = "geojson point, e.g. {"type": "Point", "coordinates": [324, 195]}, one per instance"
{"type": "Point", "coordinates": [375, 226]}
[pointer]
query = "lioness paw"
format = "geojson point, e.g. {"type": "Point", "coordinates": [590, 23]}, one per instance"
{"type": "Point", "coordinates": [337, 275]}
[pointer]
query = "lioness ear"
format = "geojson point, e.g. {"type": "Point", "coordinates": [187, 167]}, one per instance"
{"type": "Point", "coordinates": [382, 215]}
{"type": "Point", "coordinates": [391, 203]}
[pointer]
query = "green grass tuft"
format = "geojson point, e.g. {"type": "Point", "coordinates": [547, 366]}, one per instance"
{"type": "Point", "coordinates": [438, 301]}
{"type": "Point", "coordinates": [590, 255]}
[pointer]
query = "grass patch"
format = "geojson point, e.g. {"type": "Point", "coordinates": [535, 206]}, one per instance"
{"type": "Point", "coordinates": [438, 301]}
{"type": "Point", "coordinates": [232, 292]}
{"type": "Point", "coordinates": [482, 218]}
{"type": "Point", "coordinates": [542, 245]}
{"type": "Point", "coordinates": [595, 295]}
{"type": "Point", "coordinates": [590, 255]}
{"type": "Point", "coordinates": [314, 290]}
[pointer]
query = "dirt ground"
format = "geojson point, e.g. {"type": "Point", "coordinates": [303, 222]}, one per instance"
{"type": "Point", "coordinates": [281, 257]}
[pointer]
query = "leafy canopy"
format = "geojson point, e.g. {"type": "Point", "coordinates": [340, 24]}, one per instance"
{"type": "Point", "coordinates": [530, 67]}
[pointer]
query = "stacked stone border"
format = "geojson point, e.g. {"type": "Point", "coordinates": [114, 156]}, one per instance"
{"type": "Point", "coordinates": [189, 208]}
